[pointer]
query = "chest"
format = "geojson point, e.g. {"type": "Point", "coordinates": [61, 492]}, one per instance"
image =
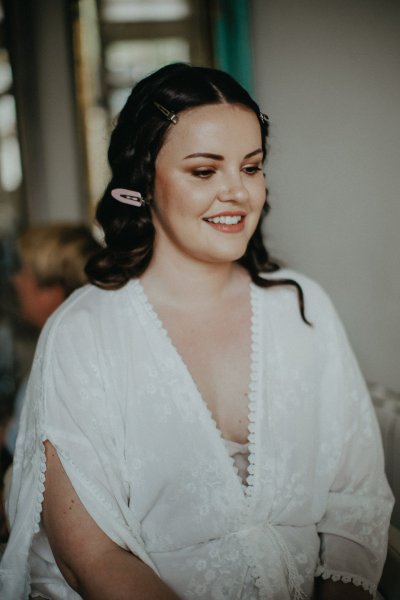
{"type": "Point", "coordinates": [173, 452]}
{"type": "Point", "coordinates": [173, 448]}
{"type": "Point", "coordinates": [216, 349]}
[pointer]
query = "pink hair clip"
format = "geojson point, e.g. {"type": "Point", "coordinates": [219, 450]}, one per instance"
{"type": "Point", "coordinates": [128, 197]}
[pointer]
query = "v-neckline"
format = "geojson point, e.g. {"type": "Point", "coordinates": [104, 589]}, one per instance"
{"type": "Point", "coordinates": [247, 486]}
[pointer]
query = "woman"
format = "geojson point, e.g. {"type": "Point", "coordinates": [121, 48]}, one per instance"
{"type": "Point", "coordinates": [204, 437]}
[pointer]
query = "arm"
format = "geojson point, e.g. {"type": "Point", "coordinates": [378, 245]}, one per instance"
{"type": "Point", "coordinates": [353, 529]}
{"type": "Point", "coordinates": [92, 564]}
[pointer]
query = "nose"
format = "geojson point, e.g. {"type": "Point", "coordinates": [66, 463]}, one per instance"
{"type": "Point", "coordinates": [233, 190]}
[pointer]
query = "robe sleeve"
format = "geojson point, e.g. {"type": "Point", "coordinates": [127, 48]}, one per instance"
{"type": "Point", "coordinates": [72, 402]}
{"type": "Point", "coordinates": [354, 528]}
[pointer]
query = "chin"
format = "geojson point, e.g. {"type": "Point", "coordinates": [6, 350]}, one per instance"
{"type": "Point", "coordinates": [238, 250]}
{"type": "Point", "coordinates": [226, 256]}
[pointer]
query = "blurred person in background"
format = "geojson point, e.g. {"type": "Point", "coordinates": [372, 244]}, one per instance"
{"type": "Point", "coordinates": [52, 260]}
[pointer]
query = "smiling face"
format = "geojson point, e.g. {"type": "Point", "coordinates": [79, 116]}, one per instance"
{"type": "Point", "coordinates": [209, 188]}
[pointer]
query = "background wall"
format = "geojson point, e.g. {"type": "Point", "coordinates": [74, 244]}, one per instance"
{"type": "Point", "coordinates": [327, 73]}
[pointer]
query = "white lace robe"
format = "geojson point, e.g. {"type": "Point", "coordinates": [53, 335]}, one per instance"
{"type": "Point", "coordinates": [111, 393]}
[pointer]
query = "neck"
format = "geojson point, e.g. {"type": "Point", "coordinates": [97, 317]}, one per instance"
{"type": "Point", "coordinates": [192, 284]}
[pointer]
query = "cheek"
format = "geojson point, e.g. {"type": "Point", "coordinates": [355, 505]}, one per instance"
{"type": "Point", "coordinates": [164, 192]}
{"type": "Point", "coordinates": [172, 198]}
{"type": "Point", "coordinates": [260, 195]}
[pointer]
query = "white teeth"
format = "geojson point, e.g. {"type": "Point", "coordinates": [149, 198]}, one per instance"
{"type": "Point", "coordinates": [225, 220]}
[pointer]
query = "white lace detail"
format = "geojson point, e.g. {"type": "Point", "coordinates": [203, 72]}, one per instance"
{"type": "Point", "coordinates": [295, 590]}
{"type": "Point", "coordinates": [41, 486]}
{"type": "Point", "coordinates": [37, 506]}
{"type": "Point", "coordinates": [269, 582]}
{"type": "Point", "coordinates": [248, 484]}
{"type": "Point", "coordinates": [253, 387]}
{"type": "Point", "coordinates": [258, 575]}
{"type": "Point", "coordinates": [346, 578]}
{"type": "Point", "coordinates": [39, 497]}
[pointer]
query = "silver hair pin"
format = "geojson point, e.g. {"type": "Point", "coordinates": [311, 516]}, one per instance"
{"type": "Point", "coordinates": [167, 113]}
{"type": "Point", "coordinates": [264, 118]}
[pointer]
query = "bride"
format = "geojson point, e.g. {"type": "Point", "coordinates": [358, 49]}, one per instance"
{"type": "Point", "coordinates": [197, 425]}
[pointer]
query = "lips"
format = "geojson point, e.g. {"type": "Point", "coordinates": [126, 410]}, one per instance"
{"type": "Point", "coordinates": [227, 222]}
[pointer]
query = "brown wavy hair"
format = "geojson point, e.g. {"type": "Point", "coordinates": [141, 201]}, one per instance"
{"type": "Point", "coordinates": [135, 142]}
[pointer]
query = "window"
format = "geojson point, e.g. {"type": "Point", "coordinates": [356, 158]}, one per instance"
{"type": "Point", "coordinates": [117, 43]}
{"type": "Point", "coordinates": [11, 217]}
{"type": "Point", "coordinates": [10, 159]}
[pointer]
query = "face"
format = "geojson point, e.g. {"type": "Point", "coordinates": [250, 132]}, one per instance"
{"type": "Point", "coordinates": [209, 186]}
{"type": "Point", "coordinates": [36, 303]}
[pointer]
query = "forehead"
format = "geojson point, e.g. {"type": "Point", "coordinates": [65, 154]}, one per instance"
{"type": "Point", "coordinates": [213, 128]}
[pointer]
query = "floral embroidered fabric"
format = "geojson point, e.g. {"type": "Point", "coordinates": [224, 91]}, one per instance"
{"type": "Point", "coordinates": [142, 451]}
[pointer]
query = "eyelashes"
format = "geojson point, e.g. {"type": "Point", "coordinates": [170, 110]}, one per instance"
{"type": "Point", "coordinates": [252, 169]}
{"type": "Point", "coordinates": [206, 173]}
{"type": "Point", "coordinates": [203, 173]}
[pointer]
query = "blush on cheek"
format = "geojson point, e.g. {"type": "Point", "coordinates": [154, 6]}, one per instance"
{"type": "Point", "coordinates": [162, 190]}
{"type": "Point", "coordinates": [170, 195]}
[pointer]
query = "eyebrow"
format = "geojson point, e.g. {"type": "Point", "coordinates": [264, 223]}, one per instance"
{"type": "Point", "coordinates": [219, 156]}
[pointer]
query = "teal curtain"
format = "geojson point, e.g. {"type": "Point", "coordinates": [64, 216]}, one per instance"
{"type": "Point", "coordinates": [232, 40]}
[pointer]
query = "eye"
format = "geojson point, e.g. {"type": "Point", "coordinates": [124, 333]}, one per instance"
{"type": "Point", "coordinates": [203, 173]}
{"type": "Point", "coordinates": [251, 169]}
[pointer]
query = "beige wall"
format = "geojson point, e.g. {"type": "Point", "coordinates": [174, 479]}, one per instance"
{"type": "Point", "coordinates": [328, 74]}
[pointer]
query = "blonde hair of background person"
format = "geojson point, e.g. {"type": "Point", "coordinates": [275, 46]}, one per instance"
{"type": "Point", "coordinates": [52, 265]}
